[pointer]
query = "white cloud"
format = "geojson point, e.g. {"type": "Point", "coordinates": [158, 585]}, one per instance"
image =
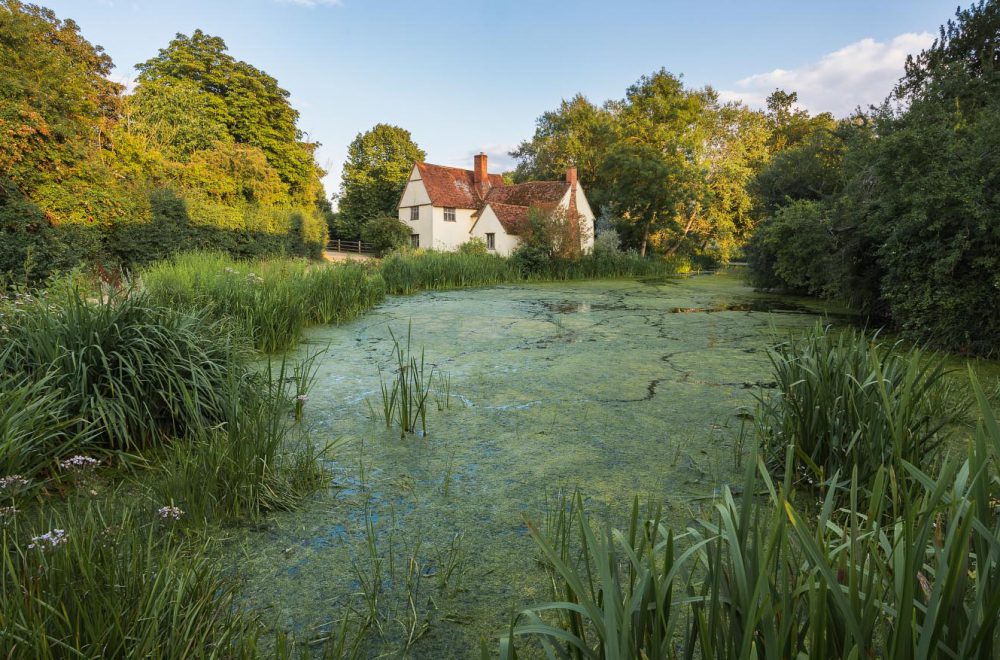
{"type": "Point", "coordinates": [862, 73]}
{"type": "Point", "coordinates": [311, 3]}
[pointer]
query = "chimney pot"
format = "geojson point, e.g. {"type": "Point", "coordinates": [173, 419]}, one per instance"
{"type": "Point", "coordinates": [480, 173]}
{"type": "Point", "coordinates": [571, 176]}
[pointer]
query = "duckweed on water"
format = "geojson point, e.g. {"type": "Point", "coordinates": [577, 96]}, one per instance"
{"type": "Point", "coordinates": [594, 385]}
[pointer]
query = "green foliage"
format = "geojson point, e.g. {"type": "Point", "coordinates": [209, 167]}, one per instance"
{"type": "Point", "coordinates": [130, 371]}
{"type": "Point", "coordinates": [406, 272]}
{"type": "Point", "coordinates": [238, 101]}
{"type": "Point", "coordinates": [844, 403]}
{"type": "Point", "coordinates": [575, 135]}
{"type": "Point", "coordinates": [259, 461]}
{"type": "Point", "coordinates": [204, 153]}
{"type": "Point", "coordinates": [378, 164]}
{"type": "Point", "coordinates": [908, 196]}
{"type": "Point", "coordinates": [272, 301]}
{"type": "Point", "coordinates": [386, 233]}
{"type": "Point", "coordinates": [474, 245]}
{"type": "Point", "coordinates": [404, 399]}
{"type": "Point", "coordinates": [121, 583]}
{"type": "Point", "coordinates": [792, 250]}
{"type": "Point", "coordinates": [672, 163]}
{"type": "Point", "coordinates": [896, 573]}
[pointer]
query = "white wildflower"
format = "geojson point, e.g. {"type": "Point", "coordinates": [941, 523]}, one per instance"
{"type": "Point", "coordinates": [48, 540]}
{"type": "Point", "coordinates": [79, 463]}
{"type": "Point", "coordinates": [170, 512]}
{"type": "Point", "coordinates": [12, 481]}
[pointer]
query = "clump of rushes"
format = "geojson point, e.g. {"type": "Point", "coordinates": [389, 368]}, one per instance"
{"type": "Point", "coordinates": [894, 573]}
{"type": "Point", "coordinates": [273, 301]}
{"type": "Point", "coordinates": [120, 372]}
{"type": "Point", "coordinates": [843, 400]}
{"type": "Point", "coordinates": [404, 399]}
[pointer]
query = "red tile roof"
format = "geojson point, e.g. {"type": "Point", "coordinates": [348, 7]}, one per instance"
{"type": "Point", "coordinates": [453, 187]}
{"type": "Point", "coordinates": [513, 218]}
{"type": "Point", "coordinates": [532, 193]}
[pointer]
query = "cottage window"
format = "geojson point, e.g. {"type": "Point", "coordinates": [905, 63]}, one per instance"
{"type": "Point", "coordinates": [491, 241]}
{"type": "Point", "coordinates": [415, 240]}
{"type": "Point", "coordinates": [449, 215]}
{"type": "Point", "coordinates": [414, 213]}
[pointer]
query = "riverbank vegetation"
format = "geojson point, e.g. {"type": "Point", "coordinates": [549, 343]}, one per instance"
{"type": "Point", "coordinates": [149, 406]}
{"type": "Point", "coordinates": [852, 544]}
{"type": "Point", "coordinates": [204, 152]}
{"type": "Point", "coordinates": [895, 209]}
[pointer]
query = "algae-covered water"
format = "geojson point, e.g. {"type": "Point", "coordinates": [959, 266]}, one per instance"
{"type": "Point", "coordinates": [614, 388]}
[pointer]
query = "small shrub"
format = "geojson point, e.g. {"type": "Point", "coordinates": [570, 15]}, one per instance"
{"type": "Point", "coordinates": [385, 233]}
{"type": "Point", "coordinates": [475, 246]}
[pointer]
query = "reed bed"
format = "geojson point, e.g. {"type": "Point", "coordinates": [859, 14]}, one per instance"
{"type": "Point", "coordinates": [844, 399]}
{"type": "Point", "coordinates": [271, 301]}
{"type": "Point", "coordinates": [408, 272]}
{"type": "Point", "coordinates": [856, 566]}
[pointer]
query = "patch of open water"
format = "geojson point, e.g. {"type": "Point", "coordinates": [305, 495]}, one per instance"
{"type": "Point", "coordinates": [608, 387]}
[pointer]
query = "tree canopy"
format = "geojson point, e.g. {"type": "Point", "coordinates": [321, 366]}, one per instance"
{"type": "Point", "coordinates": [378, 164]}
{"type": "Point", "coordinates": [205, 152]}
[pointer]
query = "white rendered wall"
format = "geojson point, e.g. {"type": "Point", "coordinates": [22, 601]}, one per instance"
{"type": "Point", "coordinates": [490, 224]}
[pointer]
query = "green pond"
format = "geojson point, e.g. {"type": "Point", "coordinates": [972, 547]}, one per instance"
{"type": "Point", "coordinates": [614, 388]}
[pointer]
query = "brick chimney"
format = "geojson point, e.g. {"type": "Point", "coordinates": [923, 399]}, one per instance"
{"type": "Point", "coordinates": [571, 176]}
{"type": "Point", "coordinates": [480, 175]}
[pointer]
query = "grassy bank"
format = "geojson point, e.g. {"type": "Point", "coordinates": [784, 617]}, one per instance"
{"type": "Point", "coordinates": [273, 301]}
{"type": "Point", "coordinates": [129, 432]}
{"type": "Point", "coordinates": [861, 541]}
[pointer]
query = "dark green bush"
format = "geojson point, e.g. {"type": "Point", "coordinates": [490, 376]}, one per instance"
{"type": "Point", "coordinates": [793, 250]}
{"type": "Point", "coordinates": [386, 233]}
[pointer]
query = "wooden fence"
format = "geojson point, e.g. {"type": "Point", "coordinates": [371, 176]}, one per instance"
{"type": "Point", "coordinates": [359, 247]}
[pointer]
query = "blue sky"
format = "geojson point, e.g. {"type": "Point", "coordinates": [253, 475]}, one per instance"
{"type": "Point", "coordinates": [466, 76]}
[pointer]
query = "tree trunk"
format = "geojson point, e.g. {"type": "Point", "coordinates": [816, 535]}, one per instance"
{"type": "Point", "coordinates": [645, 240]}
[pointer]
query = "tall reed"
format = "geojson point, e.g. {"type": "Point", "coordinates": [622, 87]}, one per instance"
{"type": "Point", "coordinates": [844, 400]}
{"type": "Point", "coordinates": [271, 301]}
{"type": "Point", "coordinates": [885, 571]}
{"type": "Point", "coordinates": [404, 398]}
{"type": "Point", "coordinates": [119, 369]}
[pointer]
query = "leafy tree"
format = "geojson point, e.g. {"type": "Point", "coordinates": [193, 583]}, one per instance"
{"type": "Point", "coordinates": [653, 170]}
{"type": "Point", "coordinates": [577, 134]}
{"type": "Point", "coordinates": [378, 164]}
{"type": "Point", "coordinates": [936, 213]}
{"type": "Point", "coordinates": [248, 102]}
{"type": "Point", "coordinates": [386, 233]}
{"type": "Point", "coordinates": [793, 249]}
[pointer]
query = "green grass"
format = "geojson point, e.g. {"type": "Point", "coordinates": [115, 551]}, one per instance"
{"type": "Point", "coordinates": [272, 301]}
{"type": "Point", "coordinates": [122, 582]}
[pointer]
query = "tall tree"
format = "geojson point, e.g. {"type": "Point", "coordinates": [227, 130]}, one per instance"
{"type": "Point", "coordinates": [654, 170]}
{"type": "Point", "coordinates": [577, 134]}
{"type": "Point", "coordinates": [57, 102]}
{"type": "Point", "coordinates": [248, 102]}
{"type": "Point", "coordinates": [378, 164]}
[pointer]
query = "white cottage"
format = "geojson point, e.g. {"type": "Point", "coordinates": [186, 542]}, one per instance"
{"type": "Point", "coordinates": [447, 206]}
